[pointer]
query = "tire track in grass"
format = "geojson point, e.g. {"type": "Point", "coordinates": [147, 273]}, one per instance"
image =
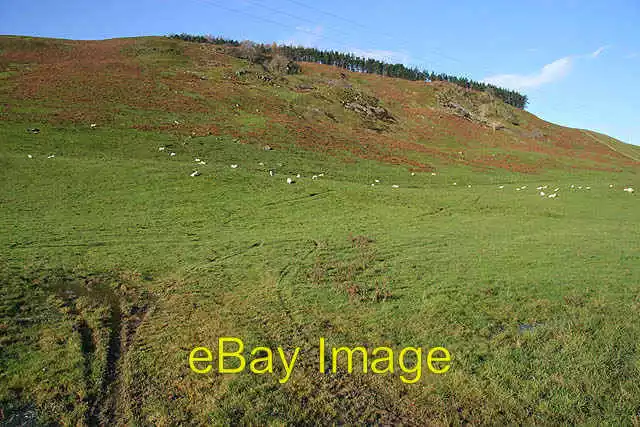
{"type": "Point", "coordinates": [102, 402]}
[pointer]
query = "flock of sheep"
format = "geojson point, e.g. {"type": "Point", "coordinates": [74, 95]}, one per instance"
{"type": "Point", "coordinates": [542, 190]}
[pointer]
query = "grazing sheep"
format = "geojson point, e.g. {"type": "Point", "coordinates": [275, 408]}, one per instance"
{"type": "Point", "coordinates": [51, 156]}
{"type": "Point", "coordinates": [395, 186]}
{"type": "Point", "coordinates": [202, 162]}
{"type": "Point", "coordinates": [195, 173]}
{"type": "Point", "coordinates": [290, 181]}
{"type": "Point", "coordinates": [455, 183]}
{"type": "Point", "coordinates": [161, 148]}
{"type": "Point", "coordinates": [552, 196]}
{"type": "Point", "coordinates": [628, 190]}
{"type": "Point", "coordinates": [501, 187]}
{"type": "Point", "coordinates": [377, 181]}
{"type": "Point", "coordinates": [542, 193]}
{"type": "Point", "coordinates": [234, 166]}
{"type": "Point", "coordinates": [413, 174]}
{"type": "Point", "coordinates": [196, 159]}
{"type": "Point", "coordinates": [298, 176]}
{"type": "Point", "coordinates": [271, 173]}
{"type": "Point", "coordinates": [314, 177]}
{"type": "Point", "coordinates": [433, 174]}
{"type": "Point", "coordinates": [93, 125]}
{"type": "Point", "coordinates": [30, 156]}
{"type": "Point", "coordinates": [172, 154]}
{"type": "Point", "coordinates": [321, 174]}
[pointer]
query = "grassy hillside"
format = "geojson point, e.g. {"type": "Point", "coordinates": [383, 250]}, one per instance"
{"type": "Point", "coordinates": [115, 262]}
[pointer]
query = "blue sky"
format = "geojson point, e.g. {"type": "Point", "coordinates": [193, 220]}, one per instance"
{"type": "Point", "coordinates": [578, 61]}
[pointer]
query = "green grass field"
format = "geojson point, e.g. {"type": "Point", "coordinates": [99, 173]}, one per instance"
{"type": "Point", "coordinates": [115, 263]}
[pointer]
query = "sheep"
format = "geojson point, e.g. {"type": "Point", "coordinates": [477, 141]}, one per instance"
{"type": "Point", "coordinates": [196, 160]}
{"type": "Point", "coordinates": [298, 176]}
{"type": "Point", "coordinates": [234, 166]}
{"type": "Point", "coordinates": [93, 125]}
{"type": "Point", "coordinates": [395, 186]}
{"type": "Point", "coordinates": [51, 156]}
{"type": "Point", "coordinates": [30, 156]}
{"type": "Point", "coordinates": [161, 148]}
{"type": "Point", "coordinates": [202, 162]}
{"type": "Point", "coordinates": [552, 196]}
{"type": "Point", "coordinates": [377, 181]}
{"type": "Point", "coordinates": [628, 190]}
{"type": "Point", "coordinates": [455, 183]}
{"type": "Point", "coordinates": [501, 187]}
{"type": "Point", "coordinates": [433, 174]}
{"type": "Point", "coordinates": [413, 174]}
{"type": "Point", "coordinates": [314, 177]}
{"type": "Point", "coordinates": [271, 173]}
{"type": "Point", "coordinates": [195, 173]}
{"type": "Point", "coordinates": [290, 181]}
{"type": "Point", "coordinates": [542, 193]}
{"type": "Point", "coordinates": [172, 154]}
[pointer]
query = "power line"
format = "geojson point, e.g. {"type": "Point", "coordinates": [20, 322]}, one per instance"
{"type": "Point", "coordinates": [270, 21]}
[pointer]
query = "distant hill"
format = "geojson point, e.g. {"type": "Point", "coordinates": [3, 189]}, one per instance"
{"type": "Point", "coordinates": [150, 83]}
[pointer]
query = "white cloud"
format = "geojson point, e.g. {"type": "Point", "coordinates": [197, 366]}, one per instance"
{"type": "Point", "coordinates": [304, 36]}
{"type": "Point", "coordinates": [598, 51]}
{"type": "Point", "coordinates": [549, 73]}
{"type": "Point", "coordinates": [382, 55]}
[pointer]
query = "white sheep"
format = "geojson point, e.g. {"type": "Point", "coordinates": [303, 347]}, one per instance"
{"type": "Point", "coordinates": [290, 181]}
{"type": "Point", "coordinates": [161, 148]}
{"type": "Point", "coordinates": [542, 193]}
{"type": "Point", "coordinates": [195, 173]}
{"type": "Point", "coordinates": [234, 166]}
{"type": "Point", "coordinates": [552, 196]}
{"type": "Point", "coordinates": [172, 154]}
{"type": "Point", "coordinates": [30, 156]}
{"type": "Point", "coordinates": [271, 173]}
{"type": "Point", "coordinates": [628, 190]}
{"type": "Point", "coordinates": [395, 186]}
{"type": "Point", "coordinates": [314, 177]}
{"type": "Point", "coordinates": [51, 156]}
{"type": "Point", "coordinates": [501, 187]}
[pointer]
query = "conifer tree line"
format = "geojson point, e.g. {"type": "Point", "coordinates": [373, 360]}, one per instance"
{"type": "Point", "coordinates": [368, 65]}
